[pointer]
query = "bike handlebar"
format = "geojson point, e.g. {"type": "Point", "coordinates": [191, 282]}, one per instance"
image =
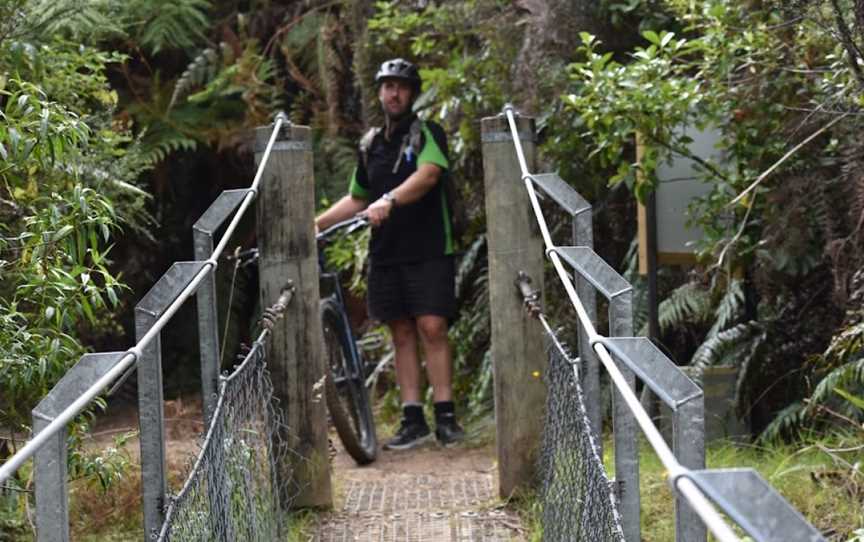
{"type": "Point", "coordinates": [352, 224]}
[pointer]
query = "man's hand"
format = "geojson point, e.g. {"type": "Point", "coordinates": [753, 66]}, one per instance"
{"type": "Point", "coordinates": [379, 211]}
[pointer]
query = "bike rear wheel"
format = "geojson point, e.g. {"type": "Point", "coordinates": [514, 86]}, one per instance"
{"type": "Point", "coordinates": [344, 388]}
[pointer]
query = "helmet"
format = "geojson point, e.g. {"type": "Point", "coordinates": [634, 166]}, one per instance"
{"type": "Point", "coordinates": [398, 68]}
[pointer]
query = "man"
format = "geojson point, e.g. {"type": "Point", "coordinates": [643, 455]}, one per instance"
{"type": "Point", "coordinates": [398, 185]}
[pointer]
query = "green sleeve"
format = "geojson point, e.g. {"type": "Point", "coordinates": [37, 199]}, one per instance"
{"type": "Point", "coordinates": [356, 189]}
{"type": "Point", "coordinates": [432, 153]}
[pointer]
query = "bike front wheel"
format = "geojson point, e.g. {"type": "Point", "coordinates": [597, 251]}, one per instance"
{"type": "Point", "coordinates": [344, 388]}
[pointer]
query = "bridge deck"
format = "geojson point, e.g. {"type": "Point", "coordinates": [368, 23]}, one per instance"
{"type": "Point", "coordinates": [428, 494]}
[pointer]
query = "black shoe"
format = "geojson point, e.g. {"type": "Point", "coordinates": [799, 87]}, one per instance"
{"type": "Point", "coordinates": [447, 431]}
{"type": "Point", "coordinates": [409, 436]}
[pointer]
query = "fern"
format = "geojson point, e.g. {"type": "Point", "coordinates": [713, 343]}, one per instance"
{"type": "Point", "coordinates": [729, 346]}
{"type": "Point", "coordinates": [847, 343]}
{"type": "Point", "coordinates": [847, 376]}
{"type": "Point", "coordinates": [172, 23]}
{"type": "Point", "coordinates": [729, 309]}
{"type": "Point", "coordinates": [787, 421]}
{"type": "Point", "coordinates": [160, 145]}
{"type": "Point", "coordinates": [688, 304]}
{"type": "Point", "coordinates": [202, 69]}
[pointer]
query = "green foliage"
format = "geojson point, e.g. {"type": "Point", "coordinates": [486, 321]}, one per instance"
{"type": "Point", "coordinates": [68, 183]}
{"type": "Point", "coordinates": [171, 23]}
{"type": "Point", "coordinates": [653, 95]}
{"type": "Point", "coordinates": [350, 253]}
{"type": "Point", "coordinates": [688, 304]}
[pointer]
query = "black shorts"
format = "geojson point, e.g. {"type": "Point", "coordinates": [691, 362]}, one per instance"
{"type": "Point", "coordinates": [412, 289]}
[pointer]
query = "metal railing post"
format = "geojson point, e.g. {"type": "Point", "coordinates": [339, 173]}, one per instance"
{"type": "Point", "coordinates": [151, 416]}
{"type": "Point", "coordinates": [583, 235]}
{"type": "Point", "coordinates": [208, 337]}
{"type": "Point", "coordinates": [688, 444]}
{"type": "Point", "coordinates": [50, 461]}
{"type": "Point", "coordinates": [151, 422]}
{"type": "Point", "coordinates": [51, 485]}
{"type": "Point", "coordinates": [208, 317]}
{"type": "Point", "coordinates": [624, 424]}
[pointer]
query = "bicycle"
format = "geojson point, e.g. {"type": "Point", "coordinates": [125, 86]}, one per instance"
{"type": "Point", "coordinates": [344, 388]}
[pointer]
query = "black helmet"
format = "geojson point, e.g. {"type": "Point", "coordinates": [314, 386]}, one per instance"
{"type": "Point", "coordinates": [398, 68]}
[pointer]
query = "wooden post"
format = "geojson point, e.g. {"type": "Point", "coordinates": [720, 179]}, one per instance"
{"type": "Point", "coordinates": [286, 240]}
{"type": "Point", "coordinates": [518, 352]}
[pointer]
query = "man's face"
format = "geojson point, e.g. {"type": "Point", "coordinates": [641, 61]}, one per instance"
{"type": "Point", "coordinates": [395, 96]}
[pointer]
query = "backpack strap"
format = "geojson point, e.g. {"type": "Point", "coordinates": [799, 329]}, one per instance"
{"type": "Point", "coordinates": [415, 136]}
{"type": "Point", "coordinates": [414, 140]}
{"type": "Point", "coordinates": [366, 143]}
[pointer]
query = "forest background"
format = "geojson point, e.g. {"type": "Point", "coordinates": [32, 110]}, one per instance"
{"type": "Point", "coordinates": [122, 121]}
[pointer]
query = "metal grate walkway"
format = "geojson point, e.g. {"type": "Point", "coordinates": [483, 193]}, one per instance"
{"type": "Point", "coordinates": [428, 495]}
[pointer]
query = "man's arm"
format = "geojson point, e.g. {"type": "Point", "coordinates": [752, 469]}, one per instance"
{"type": "Point", "coordinates": [343, 209]}
{"type": "Point", "coordinates": [412, 189]}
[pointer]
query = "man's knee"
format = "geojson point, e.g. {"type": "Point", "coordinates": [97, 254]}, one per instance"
{"type": "Point", "coordinates": [403, 334]}
{"type": "Point", "coordinates": [432, 328]}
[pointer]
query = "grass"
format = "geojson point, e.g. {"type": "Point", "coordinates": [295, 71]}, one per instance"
{"type": "Point", "coordinates": [822, 479]}
{"type": "Point", "coordinates": [815, 478]}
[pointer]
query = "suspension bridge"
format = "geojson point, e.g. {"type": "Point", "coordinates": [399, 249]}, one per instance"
{"type": "Point", "coordinates": [264, 448]}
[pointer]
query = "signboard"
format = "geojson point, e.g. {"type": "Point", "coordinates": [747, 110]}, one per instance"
{"type": "Point", "coordinates": [679, 184]}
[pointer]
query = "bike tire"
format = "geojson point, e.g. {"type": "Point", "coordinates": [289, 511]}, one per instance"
{"type": "Point", "coordinates": [346, 396]}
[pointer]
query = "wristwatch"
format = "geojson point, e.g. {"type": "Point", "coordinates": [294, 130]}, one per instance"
{"type": "Point", "coordinates": [389, 197]}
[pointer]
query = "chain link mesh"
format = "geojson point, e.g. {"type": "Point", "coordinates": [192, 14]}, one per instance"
{"type": "Point", "coordinates": [578, 503]}
{"type": "Point", "coordinates": [234, 491]}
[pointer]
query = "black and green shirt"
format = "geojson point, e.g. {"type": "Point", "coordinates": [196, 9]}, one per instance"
{"type": "Point", "coordinates": [415, 231]}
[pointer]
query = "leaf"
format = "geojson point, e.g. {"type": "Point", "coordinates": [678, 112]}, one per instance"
{"type": "Point", "coordinates": [857, 401]}
{"type": "Point", "coordinates": [651, 36]}
{"type": "Point", "coordinates": [61, 233]}
{"type": "Point", "coordinates": [667, 37]}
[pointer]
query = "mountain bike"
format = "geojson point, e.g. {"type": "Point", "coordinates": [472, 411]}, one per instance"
{"type": "Point", "coordinates": [344, 386]}
{"type": "Point", "coordinates": [345, 390]}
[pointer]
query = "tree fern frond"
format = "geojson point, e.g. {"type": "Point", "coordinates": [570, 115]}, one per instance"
{"type": "Point", "coordinates": [786, 421]}
{"type": "Point", "coordinates": [202, 69]}
{"type": "Point", "coordinates": [94, 19]}
{"type": "Point", "coordinates": [849, 342]}
{"type": "Point", "coordinates": [156, 148]}
{"type": "Point", "coordinates": [689, 303]}
{"type": "Point", "coordinates": [729, 309]}
{"type": "Point", "coordinates": [727, 346]}
{"type": "Point", "coordinates": [847, 376]}
{"type": "Point", "coordinates": [173, 23]}
{"type": "Point", "coordinates": [745, 362]}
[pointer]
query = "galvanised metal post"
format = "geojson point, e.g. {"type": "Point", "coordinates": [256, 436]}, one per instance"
{"type": "Point", "coordinates": [151, 416]}
{"type": "Point", "coordinates": [685, 398]}
{"type": "Point", "coordinates": [208, 319]}
{"type": "Point", "coordinates": [688, 444]}
{"type": "Point", "coordinates": [619, 293]}
{"type": "Point", "coordinates": [208, 337]}
{"type": "Point", "coordinates": [624, 424]}
{"type": "Point", "coordinates": [582, 235]}
{"type": "Point", "coordinates": [50, 472]}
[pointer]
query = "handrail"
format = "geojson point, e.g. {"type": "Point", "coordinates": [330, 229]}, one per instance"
{"type": "Point", "coordinates": [678, 474]}
{"type": "Point", "coordinates": [133, 354]}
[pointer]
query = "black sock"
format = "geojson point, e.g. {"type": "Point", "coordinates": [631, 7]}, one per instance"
{"type": "Point", "coordinates": [444, 410]}
{"type": "Point", "coordinates": [413, 413]}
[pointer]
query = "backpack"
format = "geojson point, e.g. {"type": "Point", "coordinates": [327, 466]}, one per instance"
{"type": "Point", "coordinates": [415, 139]}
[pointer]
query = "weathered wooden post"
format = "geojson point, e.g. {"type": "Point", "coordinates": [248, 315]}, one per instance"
{"type": "Point", "coordinates": [518, 353]}
{"type": "Point", "coordinates": [286, 240]}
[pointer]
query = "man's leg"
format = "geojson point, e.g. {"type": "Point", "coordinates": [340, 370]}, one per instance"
{"type": "Point", "coordinates": [439, 368]}
{"type": "Point", "coordinates": [404, 335]}
{"type": "Point", "coordinates": [413, 429]}
{"type": "Point", "coordinates": [439, 359]}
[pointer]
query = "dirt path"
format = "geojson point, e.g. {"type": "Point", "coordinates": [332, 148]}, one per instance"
{"type": "Point", "coordinates": [427, 494]}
